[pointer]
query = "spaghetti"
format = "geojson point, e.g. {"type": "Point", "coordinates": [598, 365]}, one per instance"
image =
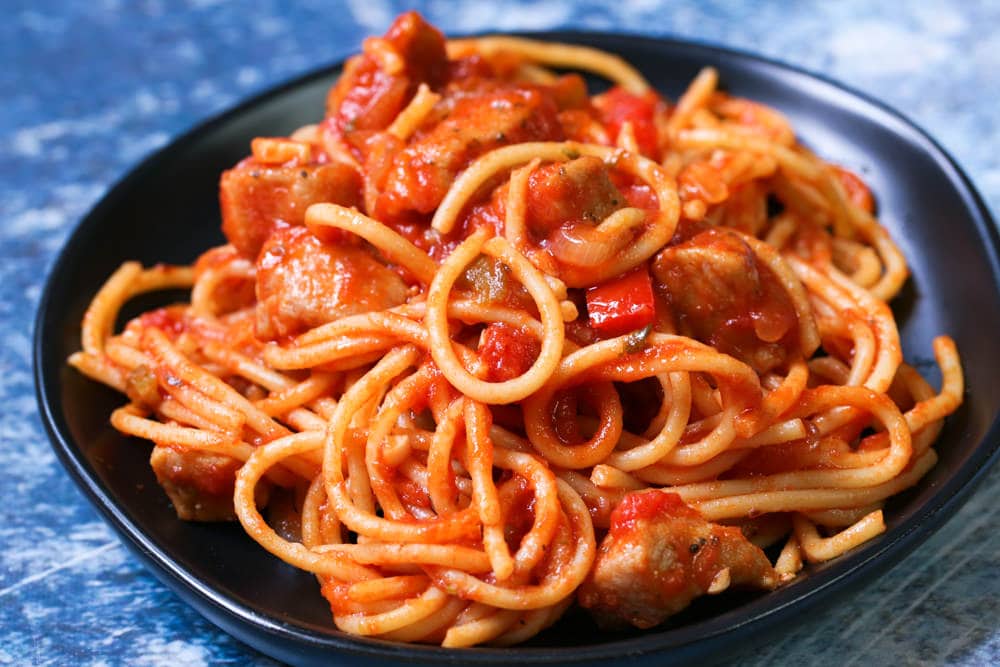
{"type": "Point", "coordinates": [482, 345]}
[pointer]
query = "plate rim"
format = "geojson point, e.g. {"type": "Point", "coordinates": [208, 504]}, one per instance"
{"type": "Point", "coordinates": [670, 644]}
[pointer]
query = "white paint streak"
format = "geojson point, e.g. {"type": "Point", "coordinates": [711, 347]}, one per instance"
{"type": "Point", "coordinates": [887, 49]}
{"type": "Point", "coordinates": [375, 15]}
{"type": "Point", "coordinates": [474, 17]}
{"type": "Point", "coordinates": [158, 652]}
{"type": "Point", "coordinates": [247, 76]}
{"type": "Point", "coordinates": [147, 144]}
{"type": "Point", "coordinates": [863, 619]}
{"type": "Point", "coordinates": [942, 21]}
{"type": "Point", "coordinates": [906, 614]}
{"type": "Point", "coordinates": [87, 555]}
{"type": "Point", "coordinates": [146, 102]}
{"type": "Point", "coordinates": [31, 141]}
{"type": "Point", "coordinates": [35, 220]}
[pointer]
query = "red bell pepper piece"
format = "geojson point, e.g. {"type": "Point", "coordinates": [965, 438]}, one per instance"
{"type": "Point", "coordinates": [621, 106]}
{"type": "Point", "coordinates": [622, 304]}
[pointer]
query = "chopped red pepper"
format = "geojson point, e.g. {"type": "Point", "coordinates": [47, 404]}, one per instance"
{"type": "Point", "coordinates": [620, 106]}
{"type": "Point", "coordinates": [622, 305]}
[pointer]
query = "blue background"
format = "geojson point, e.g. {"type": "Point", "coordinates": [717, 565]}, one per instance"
{"type": "Point", "coordinates": [89, 88]}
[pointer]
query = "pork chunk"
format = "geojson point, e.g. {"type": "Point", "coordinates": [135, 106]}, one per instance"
{"type": "Point", "coordinates": [303, 282]}
{"type": "Point", "coordinates": [574, 191]}
{"type": "Point", "coordinates": [659, 555]}
{"type": "Point", "coordinates": [721, 294]}
{"type": "Point", "coordinates": [367, 97]}
{"type": "Point", "coordinates": [421, 173]}
{"type": "Point", "coordinates": [256, 198]}
{"type": "Point", "coordinates": [200, 485]}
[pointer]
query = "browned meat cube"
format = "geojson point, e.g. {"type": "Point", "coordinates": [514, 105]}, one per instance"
{"type": "Point", "coordinates": [576, 191]}
{"type": "Point", "coordinates": [199, 484]}
{"type": "Point", "coordinates": [722, 295]}
{"type": "Point", "coordinates": [303, 282]}
{"type": "Point", "coordinates": [257, 198]}
{"type": "Point", "coordinates": [659, 555]}
{"type": "Point", "coordinates": [422, 173]}
{"type": "Point", "coordinates": [367, 97]}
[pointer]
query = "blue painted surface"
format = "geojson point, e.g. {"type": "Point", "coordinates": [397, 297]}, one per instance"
{"type": "Point", "coordinates": [89, 88]}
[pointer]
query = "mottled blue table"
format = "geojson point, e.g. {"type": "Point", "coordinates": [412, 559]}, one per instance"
{"type": "Point", "coordinates": [89, 88]}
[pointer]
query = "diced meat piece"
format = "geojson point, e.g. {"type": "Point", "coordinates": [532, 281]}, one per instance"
{"type": "Point", "coordinates": [659, 555]}
{"type": "Point", "coordinates": [574, 191]}
{"type": "Point", "coordinates": [255, 199]}
{"type": "Point", "coordinates": [422, 48]}
{"type": "Point", "coordinates": [199, 484]}
{"type": "Point", "coordinates": [303, 282]}
{"type": "Point", "coordinates": [422, 173]}
{"type": "Point", "coordinates": [367, 96]}
{"type": "Point", "coordinates": [722, 295]}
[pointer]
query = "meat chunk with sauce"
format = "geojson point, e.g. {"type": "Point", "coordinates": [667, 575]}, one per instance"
{"type": "Point", "coordinates": [659, 555]}
{"type": "Point", "coordinates": [721, 294]}
{"type": "Point", "coordinates": [569, 192]}
{"type": "Point", "coordinates": [420, 174]}
{"type": "Point", "coordinates": [377, 84]}
{"type": "Point", "coordinates": [303, 282]}
{"type": "Point", "coordinates": [257, 198]}
{"type": "Point", "coordinates": [199, 484]}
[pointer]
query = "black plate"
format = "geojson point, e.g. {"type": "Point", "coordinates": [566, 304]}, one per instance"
{"type": "Point", "coordinates": [166, 210]}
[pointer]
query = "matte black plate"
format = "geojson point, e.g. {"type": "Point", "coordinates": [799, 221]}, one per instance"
{"type": "Point", "coordinates": [166, 211]}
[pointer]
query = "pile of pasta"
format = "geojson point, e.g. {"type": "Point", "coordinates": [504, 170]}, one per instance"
{"type": "Point", "coordinates": [436, 504]}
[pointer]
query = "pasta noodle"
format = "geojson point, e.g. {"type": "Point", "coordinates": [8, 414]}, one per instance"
{"type": "Point", "coordinates": [467, 322]}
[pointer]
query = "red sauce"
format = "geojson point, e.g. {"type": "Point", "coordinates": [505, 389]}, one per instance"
{"type": "Point", "coordinates": [170, 320]}
{"type": "Point", "coordinates": [413, 494]}
{"type": "Point", "coordinates": [518, 502]}
{"type": "Point", "coordinates": [422, 47]}
{"type": "Point", "coordinates": [335, 593]}
{"type": "Point", "coordinates": [564, 417]}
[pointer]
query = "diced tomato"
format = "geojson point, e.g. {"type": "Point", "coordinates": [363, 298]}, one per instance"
{"type": "Point", "coordinates": [857, 190]}
{"type": "Point", "coordinates": [507, 351]}
{"type": "Point", "coordinates": [648, 506]}
{"type": "Point", "coordinates": [621, 305]}
{"type": "Point", "coordinates": [620, 106]}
